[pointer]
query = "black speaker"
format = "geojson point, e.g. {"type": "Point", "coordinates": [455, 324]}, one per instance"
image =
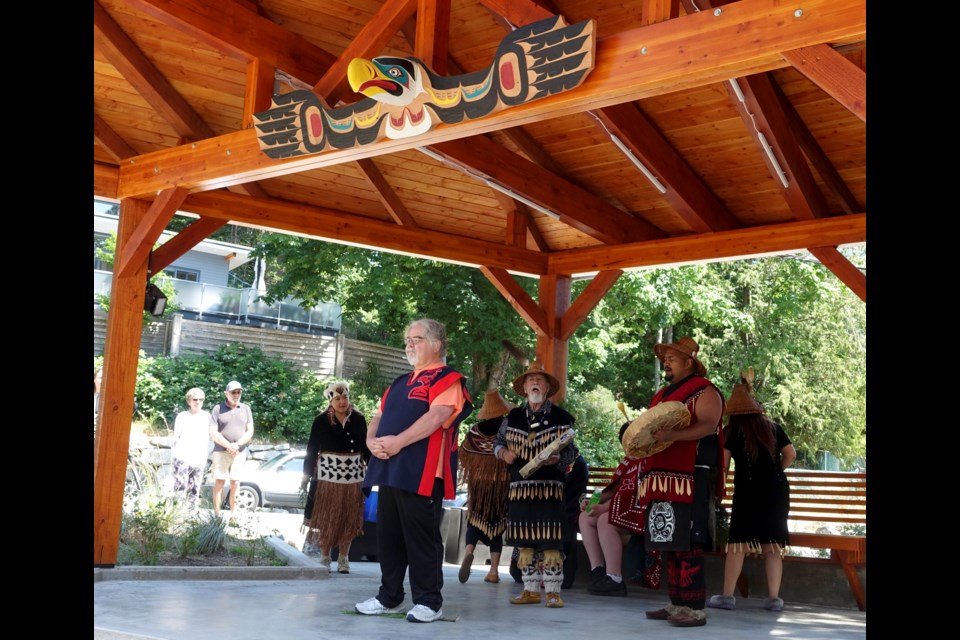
{"type": "Point", "coordinates": [154, 301]}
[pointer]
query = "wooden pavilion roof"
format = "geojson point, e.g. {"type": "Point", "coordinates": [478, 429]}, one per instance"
{"type": "Point", "coordinates": [716, 100]}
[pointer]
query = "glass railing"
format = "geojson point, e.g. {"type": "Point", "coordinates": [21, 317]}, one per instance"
{"type": "Point", "coordinates": [241, 306]}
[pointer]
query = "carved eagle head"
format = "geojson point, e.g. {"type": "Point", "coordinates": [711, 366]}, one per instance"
{"type": "Point", "coordinates": [395, 81]}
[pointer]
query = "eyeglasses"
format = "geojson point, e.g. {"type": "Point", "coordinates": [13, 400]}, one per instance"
{"type": "Point", "coordinates": [236, 393]}
{"type": "Point", "coordinates": [413, 340]}
{"type": "Point", "coordinates": [197, 399]}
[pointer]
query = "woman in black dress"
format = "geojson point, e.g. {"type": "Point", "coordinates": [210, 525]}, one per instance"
{"type": "Point", "coordinates": [761, 450]}
{"type": "Point", "coordinates": [335, 464]}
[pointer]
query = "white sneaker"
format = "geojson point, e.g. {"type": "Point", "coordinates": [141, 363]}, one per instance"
{"type": "Point", "coordinates": [423, 613]}
{"type": "Point", "coordinates": [372, 607]}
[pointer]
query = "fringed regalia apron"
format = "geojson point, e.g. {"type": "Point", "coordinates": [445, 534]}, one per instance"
{"type": "Point", "coordinates": [338, 504]}
{"type": "Point", "coordinates": [486, 478]}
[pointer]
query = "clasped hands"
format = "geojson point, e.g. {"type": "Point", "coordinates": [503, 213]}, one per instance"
{"type": "Point", "coordinates": [384, 447]}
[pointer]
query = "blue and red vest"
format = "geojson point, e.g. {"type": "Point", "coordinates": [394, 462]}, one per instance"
{"type": "Point", "coordinates": [414, 469]}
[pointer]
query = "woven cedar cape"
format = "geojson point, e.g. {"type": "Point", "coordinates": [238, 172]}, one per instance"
{"type": "Point", "coordinates": [486, 478]}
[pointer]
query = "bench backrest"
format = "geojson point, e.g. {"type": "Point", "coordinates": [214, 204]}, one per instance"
{"type": "Point", "coordinates": [815, 496]}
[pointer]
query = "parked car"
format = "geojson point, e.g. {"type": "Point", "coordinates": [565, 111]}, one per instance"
{"type": "Point", "coordinates": [275, 483]}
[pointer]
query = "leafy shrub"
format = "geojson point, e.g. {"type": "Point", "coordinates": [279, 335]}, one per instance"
{"type": "Point", "coordinates": [283, 396]}
{"type": "Point", "coordinates": [597, 426]}
{"type": "Point", "coordinates": [213, 533]}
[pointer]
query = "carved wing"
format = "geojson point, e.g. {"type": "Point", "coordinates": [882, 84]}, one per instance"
{"type": "Point", "coordinates": [298, 123]}
{"type": "Point", "coordinates": [533, 62]}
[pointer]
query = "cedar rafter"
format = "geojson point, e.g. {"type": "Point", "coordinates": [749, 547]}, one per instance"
{"type": "Point", "coordinates": [388, 197]}
{"type": "Point", "coordinates": [687, 194]}
{"type": "Point", "coordinates": [575, 206]}
{"type": "Point", "coordinates": [617, 78]}
{"type": "Point", "coordinates": [828, 69]}
{"type": "Point", "coordinates": [242, 33]}
{"type": "Point", "coordinates": [763, 115]}
{"type": "Point", "coordinates": [433, 34]}
{"type": "Point", "coordinates": [147, 80]}
{"type": "Point", "coordinates": [110, 140]}
{"type": "Point", "coordinates": [374, 36]}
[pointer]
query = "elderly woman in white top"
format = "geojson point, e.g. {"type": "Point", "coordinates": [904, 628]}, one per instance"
{"type": "Point", "coordinates": [191, 443]}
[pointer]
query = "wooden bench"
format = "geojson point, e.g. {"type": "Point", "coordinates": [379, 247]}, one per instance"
{"type": "Point", "coordinates": [828, 497]}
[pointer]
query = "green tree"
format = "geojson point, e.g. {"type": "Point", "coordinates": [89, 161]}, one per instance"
{"type": "Point", "coordinates": [790, 318]}
{"type": "Point", "coordinates": [106, 251]}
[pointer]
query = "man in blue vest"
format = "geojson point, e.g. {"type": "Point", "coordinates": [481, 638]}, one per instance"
{"type": "Point", "coordinates": [413, 442]}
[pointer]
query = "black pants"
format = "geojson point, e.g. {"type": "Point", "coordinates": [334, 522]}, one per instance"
{"type": "Point", "coordinates": [408, 536]}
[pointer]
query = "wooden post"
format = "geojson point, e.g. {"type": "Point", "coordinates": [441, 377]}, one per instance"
{"type": "Point", "coordinates": [552, 350]}
{"type": "Point", "coordinates": [121, 349]}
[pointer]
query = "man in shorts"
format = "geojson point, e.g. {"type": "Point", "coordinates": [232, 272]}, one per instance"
{"type": "Point", "coordinates": [231, 431]}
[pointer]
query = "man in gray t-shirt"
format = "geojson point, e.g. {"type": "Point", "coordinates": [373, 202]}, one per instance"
{"type": "Point", "coordinates": [231, 431]}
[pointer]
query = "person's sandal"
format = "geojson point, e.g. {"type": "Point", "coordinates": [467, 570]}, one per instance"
{"type": "Point", "coordinates": [773, 604]}
{"type": "Point", "coordinates": [722, 602]}
{"type": "Point", "coordinates": [492, 577]}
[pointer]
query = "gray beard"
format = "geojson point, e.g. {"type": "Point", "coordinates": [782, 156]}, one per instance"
{"type": "Point", "coordinates": [535, 398]}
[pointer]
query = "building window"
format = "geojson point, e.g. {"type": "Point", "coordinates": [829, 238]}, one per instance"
{"type": "Point", "coordinates": [190, 275]}
{"type": "Point", "coordinates": [99, 265]}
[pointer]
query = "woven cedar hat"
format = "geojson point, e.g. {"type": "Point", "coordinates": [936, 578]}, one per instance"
{"type": "Point", "coordinates": [742, 401]}
{"type": "Point", "coordinates": [494, 406]}
{"type": "Point", "coordinates": [536, 367]}
{"type": "Point", "coordinates": [638, 439]}
{"type": "Point", "coordinates": [687, 347]}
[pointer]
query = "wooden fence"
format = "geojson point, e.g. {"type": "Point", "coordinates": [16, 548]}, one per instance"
{"type": "Point", "coordinates": [326, 355]}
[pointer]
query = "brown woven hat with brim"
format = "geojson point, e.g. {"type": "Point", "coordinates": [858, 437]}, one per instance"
{"type": "Point", "coordinates": [687, 347]}
{"type": "Point", "coordinates": [536, 367]}
{"type": "Point", "coordinates": [742, 402]}
{"type": "Point", "coordinates": [638, 439]}
{"type": "Point", "coordinates": [494, 406]}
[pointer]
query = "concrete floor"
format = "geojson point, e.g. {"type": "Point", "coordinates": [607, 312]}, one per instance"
{"type": "Point", "coordinates": [266, 603]}
{"type": "Point", "coordinates": [304, 600]}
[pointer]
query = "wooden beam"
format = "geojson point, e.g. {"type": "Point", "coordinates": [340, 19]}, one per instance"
{"type": "Point", "coordinates": [371, 40]}
{"type": "Point", "coordinates": [846, 271]}
{"type": "Point", "coordinates": [242, 33]}
{"type": "Point", "coordinates": [141, 241]}
{"type": "Point", "coordinates": [110, 140]}
{"type": "Point", "coordinates": [763, 115]}
{"type": "Point", "coordinates": [510, 289]}
{"type": "Point", "coordinates": [536, 236]}
{"type": "Point", "coordinates": [689, 51]}
{"type": "Point", "coordinates": [199, 230]}
{"type": "Point", "coordinates": [575, 206]}
{"type": "Point", "coordinates": [520, 12]}
{"type": "Point", "coordinates": [553, 351]}
{"type": "Point", "coordinates": [146, 79]}
{"type": "Point", "coordinates": [829, 70]}
{"type": "Point", "coordinates": [259, 90]}
{"type": "Point", "coordinates": [432, 42]}
{"type": "Point", "coordinates": [391, 201]}
{"type": "Point", "coordinates": [714, 247]}
{"type": "Point", "coordinates": [105, 180]}
{"type": "Point", "coordinates": [816, 156]}
{"type": "Point", "coordinates": [344, 228]}
{"type": "Point", "coordinates": [659, 10]}
{"type": "Point", "coordinates": [534, 152]}
{"type": "Point", "coordinates": [687, 194]}
{"type": "Point", "coordinates": [586, 302]}
{"type": "Point", "coordinates": [515, 233]}
{"type": "Point", "coordinates": [112, 439]}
